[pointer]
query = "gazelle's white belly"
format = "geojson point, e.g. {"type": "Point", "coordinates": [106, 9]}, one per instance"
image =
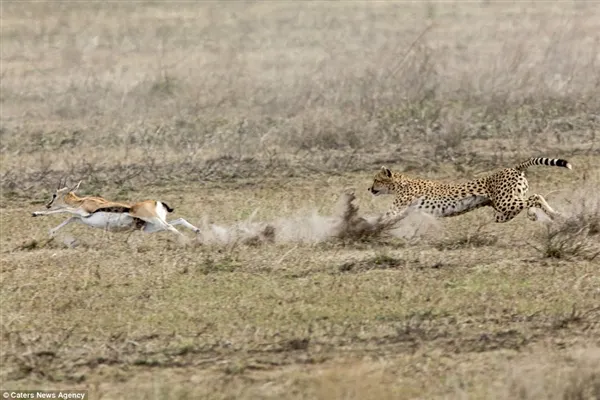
{"type": "Point", "coordinates": [113, 222]}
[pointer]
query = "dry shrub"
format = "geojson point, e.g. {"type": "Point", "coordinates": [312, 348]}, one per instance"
{"type": "Point", "coordinates": [346, 224]}
{"type": "Point", "coordinates": [410, 224]}
{"type": "Point", "coordinates": [577, 234]}
{"type": "Point", "coordinates": [543, 380]}
{"type": "Point", "coordinates": [34, 244]}
{"type": "Point", "coordinates": [379, 261]}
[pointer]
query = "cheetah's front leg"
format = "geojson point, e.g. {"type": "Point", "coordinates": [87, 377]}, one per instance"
{"type": "Point", "coordinates": [401, 209]}
{"type": "Point", "coordinates": [392, 213]}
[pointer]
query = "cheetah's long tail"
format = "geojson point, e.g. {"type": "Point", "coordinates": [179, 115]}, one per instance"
{"type": "Point", "coordinates": [553, 162]}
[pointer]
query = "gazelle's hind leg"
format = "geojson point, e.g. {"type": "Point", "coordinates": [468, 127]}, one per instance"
{"type": "Point", "coordinates": [129, 235]}
{"type": "Point", "coordinates": [537, 201]}
{"type": "Point", "coordinates": [183, 222]}
{"type": "Point", "coordinates": [151, 228]}
{"type": "Point", "coordinates": [157, 225]}
{"type": "Point", "coordinates": [65, 223]}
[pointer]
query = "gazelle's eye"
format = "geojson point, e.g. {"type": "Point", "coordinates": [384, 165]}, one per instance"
{"type": "Point", "coordinates": [54, 196]}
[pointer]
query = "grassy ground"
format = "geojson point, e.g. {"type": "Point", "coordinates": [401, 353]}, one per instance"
{"type": "Point", "coordinates": [251, 113]}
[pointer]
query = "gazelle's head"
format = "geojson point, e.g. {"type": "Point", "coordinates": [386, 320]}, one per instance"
{"type": "Point", "coordinates": [62, 195]}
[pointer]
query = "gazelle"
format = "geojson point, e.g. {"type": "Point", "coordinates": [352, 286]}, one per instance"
{"type": "Point", "coordinates": [97, 212]}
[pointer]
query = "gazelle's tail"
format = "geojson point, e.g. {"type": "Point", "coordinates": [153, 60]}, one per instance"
{"type": "Point", "coordinates": [553, 162]}
{"type": "Point", "coordinates": [169, 209]}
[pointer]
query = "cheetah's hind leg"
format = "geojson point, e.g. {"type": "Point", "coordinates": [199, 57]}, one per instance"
{"type": "Point", "coordinates": [501, 217]}
{"type": "Point", "coordinates": [536, 201]}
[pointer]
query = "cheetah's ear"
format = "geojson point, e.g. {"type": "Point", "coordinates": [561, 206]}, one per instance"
{"type": "Point", "coordinates": [386, 171]}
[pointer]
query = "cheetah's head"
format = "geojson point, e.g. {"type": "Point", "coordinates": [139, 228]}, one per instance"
{"type": "Point", "coordinates": [383, 183]}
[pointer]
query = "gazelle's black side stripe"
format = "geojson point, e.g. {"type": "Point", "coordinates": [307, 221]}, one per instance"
{"type": "Point", "coordinates": [113, 209]}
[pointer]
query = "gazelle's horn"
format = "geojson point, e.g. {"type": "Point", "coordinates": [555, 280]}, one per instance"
{"type": "Point", "coordinates": [75, 187]}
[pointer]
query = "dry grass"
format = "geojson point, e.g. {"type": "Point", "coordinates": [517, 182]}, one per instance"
{"type": "Point", "coordinates": [298, 316]}
{"type": "Point", "coordinates": [252, 118]}
{"type": "Point", "coordinates": [149, 94]}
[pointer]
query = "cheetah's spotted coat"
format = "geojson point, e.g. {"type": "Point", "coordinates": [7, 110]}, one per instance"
{"type": "Point", "coordinates": [504, 190]}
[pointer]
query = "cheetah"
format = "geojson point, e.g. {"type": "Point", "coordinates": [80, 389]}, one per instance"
{"type": "Point", "coordinates": [503, 190]}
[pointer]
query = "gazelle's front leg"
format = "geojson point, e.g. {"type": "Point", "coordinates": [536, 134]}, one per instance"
{"type": "Point", "coordinates": [61, 211]}
{"type": "Point", "coordinates": [65, 223]}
